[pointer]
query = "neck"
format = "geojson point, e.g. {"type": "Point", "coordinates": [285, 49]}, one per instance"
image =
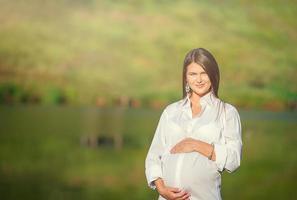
{"type": "Point", "coordinates": [195, 98]}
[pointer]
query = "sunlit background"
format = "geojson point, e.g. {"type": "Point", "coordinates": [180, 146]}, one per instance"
{"type": "Point", "coordinates": [83, 83]}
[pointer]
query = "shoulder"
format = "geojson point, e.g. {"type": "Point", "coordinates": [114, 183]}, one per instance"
{"type": "Point", "coordinates": [230, 108]}
{"type": "Point", "coordinates": [231, 111]}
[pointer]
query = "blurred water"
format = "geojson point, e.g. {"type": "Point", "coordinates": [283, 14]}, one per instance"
{"type": "Point", "coordinates": [42, 155]}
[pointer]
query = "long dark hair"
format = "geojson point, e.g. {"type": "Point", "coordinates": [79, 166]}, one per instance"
{"type": "Point", "coordinates": [206, 60]}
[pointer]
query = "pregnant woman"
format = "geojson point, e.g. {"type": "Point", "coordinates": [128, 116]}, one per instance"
{"type": "Point", "coordinates": [197, 137]}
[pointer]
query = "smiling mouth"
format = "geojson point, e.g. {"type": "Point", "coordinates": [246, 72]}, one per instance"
{"type": "Point", "coordinates": [200, 85]}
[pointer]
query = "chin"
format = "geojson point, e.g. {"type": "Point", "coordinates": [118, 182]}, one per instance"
{"type": "Point", "coordinates": [201, 91]}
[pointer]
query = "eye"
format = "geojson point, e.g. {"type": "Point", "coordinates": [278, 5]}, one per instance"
{"type": "Point", "coordinates": [192, 73]}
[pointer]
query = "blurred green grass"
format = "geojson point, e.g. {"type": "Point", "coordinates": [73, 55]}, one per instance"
{"type": "Point", "coordinates": [97, 48]}
{"type": "Point", "coordinates": [41, 156]}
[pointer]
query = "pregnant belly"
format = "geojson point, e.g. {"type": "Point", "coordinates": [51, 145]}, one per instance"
{"type": "Point", "coordinates": [189, 171]}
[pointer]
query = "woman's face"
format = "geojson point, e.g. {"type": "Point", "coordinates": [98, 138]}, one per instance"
{"type": "Point", "coordinates": [198, 79]}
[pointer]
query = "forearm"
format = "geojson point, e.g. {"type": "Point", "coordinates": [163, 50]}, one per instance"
{"type": "Point", "coordinates": [205, 149]}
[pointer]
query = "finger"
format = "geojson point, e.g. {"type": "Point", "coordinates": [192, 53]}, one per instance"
{"type": "Point", "coordinates": [180, 194]}
{"type": "Point", "coordinates": [175, 190]}
{"type": "Point", "coordinates": [185, 197]}
{"type": "Point", "coordinates": [173, 150]}
{"type": "Point", "coordinates": [178, 149]}
{"type": "Point", "coordinates": [182, 198]}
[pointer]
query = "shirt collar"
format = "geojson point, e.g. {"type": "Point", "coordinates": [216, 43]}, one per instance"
{"type": "Point", "coordinates": [207, 99]}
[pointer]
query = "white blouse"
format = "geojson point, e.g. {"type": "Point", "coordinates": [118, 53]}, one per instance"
{"type": "Point", "coordinates": [218, 123]}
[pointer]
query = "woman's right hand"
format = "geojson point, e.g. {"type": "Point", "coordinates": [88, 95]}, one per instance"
{"type": "Point", "coordinates": [171, 193]}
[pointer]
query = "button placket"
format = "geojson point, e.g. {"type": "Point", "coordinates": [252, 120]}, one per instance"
{"type": "Point", "coordinates": [190, 127]}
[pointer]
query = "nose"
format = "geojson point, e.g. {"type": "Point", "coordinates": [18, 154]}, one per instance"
{"type": "Point", "coordinates": [198, 79]}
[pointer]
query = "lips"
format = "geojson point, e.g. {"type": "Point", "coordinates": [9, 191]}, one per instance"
{"type": "Point", "coordinates": [200, 86]}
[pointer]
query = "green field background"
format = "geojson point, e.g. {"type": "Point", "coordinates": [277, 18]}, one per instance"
{"type": "Point", "coordinates": [82, 50]}
{"type": "Point", "coordinates": [65, 65]}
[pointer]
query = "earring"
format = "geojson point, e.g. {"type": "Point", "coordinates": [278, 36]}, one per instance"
{"type": "Point", "coordinates": [187, 88]}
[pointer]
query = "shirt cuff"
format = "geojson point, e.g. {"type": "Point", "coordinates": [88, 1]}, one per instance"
{"type": "Point", "coordinates": [221, 156]}
{"type": "Point", "coordinates": [154, 174]}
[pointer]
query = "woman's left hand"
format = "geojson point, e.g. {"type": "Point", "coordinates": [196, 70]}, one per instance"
{"type": "Point", "coordinates": [185, 146]}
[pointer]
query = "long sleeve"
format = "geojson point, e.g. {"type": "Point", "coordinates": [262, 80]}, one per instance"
{"type": "Point", "coordinates": [153, 168]}
{"type": "Point", "coordinates": [228, 154]}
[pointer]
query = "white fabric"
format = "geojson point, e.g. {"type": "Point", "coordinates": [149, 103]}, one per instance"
{"type": "Point", "coordinates": [218, 122]}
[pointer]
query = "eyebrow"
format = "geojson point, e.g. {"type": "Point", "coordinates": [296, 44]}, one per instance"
{"type": "Point", "coordinates": [197, 72]}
